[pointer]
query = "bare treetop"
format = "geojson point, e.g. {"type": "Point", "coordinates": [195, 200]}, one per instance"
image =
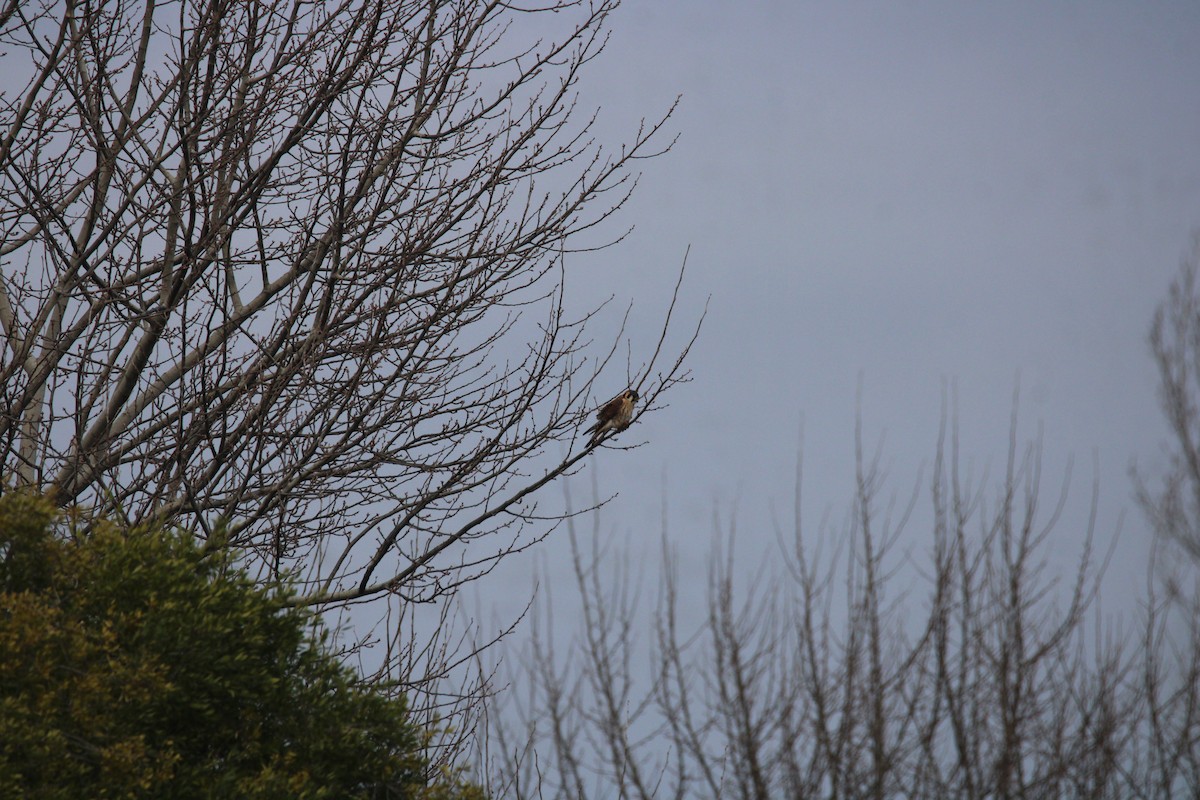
{"type": "Point", "coordinates": [298, 267]}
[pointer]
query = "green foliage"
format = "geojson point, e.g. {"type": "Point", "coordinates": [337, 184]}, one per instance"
{"type": "Point", "coordinates": [132, 664]}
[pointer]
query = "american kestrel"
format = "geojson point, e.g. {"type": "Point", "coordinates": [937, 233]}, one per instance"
{"type": "Point", "coordinates": [615, 415]}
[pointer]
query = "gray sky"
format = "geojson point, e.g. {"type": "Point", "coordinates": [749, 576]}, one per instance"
{"type": "Point", "coordinates": [908, 194]}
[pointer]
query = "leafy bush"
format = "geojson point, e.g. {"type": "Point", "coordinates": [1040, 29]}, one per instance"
{"type": "Point", "coordinates": [132, 663]}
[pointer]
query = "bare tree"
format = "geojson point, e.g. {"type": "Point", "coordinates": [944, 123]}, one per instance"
{"type": "Point", "coordinates": [290, 274]}
{"type": "Point", "coordinates": [851, 668]}
{"type": "Point", "coordinates": [1174, 507]}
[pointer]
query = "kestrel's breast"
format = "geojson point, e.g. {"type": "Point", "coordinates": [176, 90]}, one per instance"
{"type": "Point", "coordinates": [625, 413]}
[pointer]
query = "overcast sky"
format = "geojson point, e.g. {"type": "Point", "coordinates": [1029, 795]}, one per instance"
{"type": "Point", "coordinates": [907, 195]}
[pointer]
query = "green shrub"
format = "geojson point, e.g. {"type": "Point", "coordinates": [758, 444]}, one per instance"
{"type": "Point", "coordinates": [132, 664]}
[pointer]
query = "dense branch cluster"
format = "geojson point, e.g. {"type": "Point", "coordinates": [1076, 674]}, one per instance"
{"type": "Point", "coordinates": [298, 266]}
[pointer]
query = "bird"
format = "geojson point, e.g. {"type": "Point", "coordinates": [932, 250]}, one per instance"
{"type": "Point", "coordinates": [615, 415]}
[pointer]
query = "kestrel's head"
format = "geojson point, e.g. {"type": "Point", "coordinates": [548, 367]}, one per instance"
{"type": "Point", "coordinates": [632, 395]}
